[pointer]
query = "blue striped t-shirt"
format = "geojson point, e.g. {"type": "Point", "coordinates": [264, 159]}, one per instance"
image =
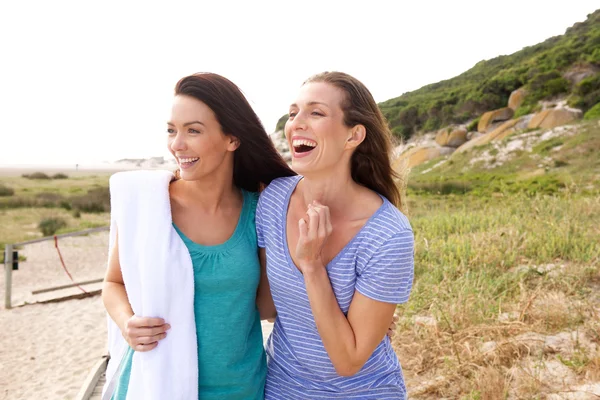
{"type": "Point", "coordinates": [378, 262]}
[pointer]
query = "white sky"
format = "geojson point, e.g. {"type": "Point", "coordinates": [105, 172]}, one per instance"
{"type": "Point", "coordinates": [85, 82]}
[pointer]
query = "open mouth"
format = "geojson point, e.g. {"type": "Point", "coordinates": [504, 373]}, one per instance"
{"type": "Point", "coordinates": [187, 162]}
{"type": "Point", "coordinates": [303, 146]}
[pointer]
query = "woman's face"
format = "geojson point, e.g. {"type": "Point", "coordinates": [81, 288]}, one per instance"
{"type": "Point", "coordinates": [196, 140]}
{"type": "Point", "coordinates": [315, 129]}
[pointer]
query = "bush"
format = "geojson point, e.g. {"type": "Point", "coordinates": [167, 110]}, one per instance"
{"type": "Point", "coordinates": [49, 226]}
{"type": "Point", "coordinates": [473, 125]}
{"type": "Point", "coordinates": [96, 200]}
{"type": "Point", "coordinates": [60, 175]}
{"type": "Point", "coordinates": [49, 199]}
{"type": "Point", "coordinates": [281, 123]}
{"type": "Point", "coordinates": [36, 175]}
{"type": "Point", "coordinates": [593, 113]}
{"type": "Point", "coordinates": [523, 110]}
{"type": "Point", "coordinates": [6, 191]}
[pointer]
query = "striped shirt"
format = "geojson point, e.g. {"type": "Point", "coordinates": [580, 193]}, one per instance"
{"type": "Point", "coordinates": [378, 262]}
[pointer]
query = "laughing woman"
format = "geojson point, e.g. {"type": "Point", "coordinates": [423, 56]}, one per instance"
{"type": "Point", "coordinates": [339, 252]}
{"type": "Point", "coordinates": [183, 279]}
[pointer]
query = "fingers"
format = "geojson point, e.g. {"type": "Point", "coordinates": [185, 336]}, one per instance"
{"type": "Point", "coordinates": [313, 222]}
{"type": "Point", "coordinates": [143, 333]}
{"type": "Point", "coordinates": [303, 228]}
{"type": "Point", "coordinates": [321, 215]}
{"type": "Point", "coordinates": [145, 347]}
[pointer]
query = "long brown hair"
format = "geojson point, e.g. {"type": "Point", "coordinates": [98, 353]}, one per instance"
{"type": "Point", "coordinates": [371, 161]}
{"type": "Point", "coordinates": [256, 162]}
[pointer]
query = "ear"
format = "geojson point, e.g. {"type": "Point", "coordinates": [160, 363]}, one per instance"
{"type": "Point", "coordinates": [358, 133]}
{"type": "Point", "coordinates": [233, 143]}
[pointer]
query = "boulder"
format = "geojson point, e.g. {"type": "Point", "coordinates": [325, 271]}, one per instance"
{"type": "Point", "coordinates": [518, 125]}
{"type": "Point", "coordinates": [554, 117]}
{"type": "Point", "coordinates": [451, 137]}
{"type": "Point", "coordinates": [420, 155]}
{"type": "Point", "coordinates": [577, 73]}
{"type": "Point", "coordinates": [516, 98]}
{"type": "Point", "coordinates": [488, 137]}
{"type": "Point", "coordinates": [488, 118]}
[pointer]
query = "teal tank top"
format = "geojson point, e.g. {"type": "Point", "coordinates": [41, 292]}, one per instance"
{"type": "Point", "coordinates": [231, 357]}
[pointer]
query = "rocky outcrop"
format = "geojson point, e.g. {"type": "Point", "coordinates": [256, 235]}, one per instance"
{"type": "Point", "coordinates": [487, 119]}
{"type": "Point", "coordinates": [516, 98]}
{"type": "Point", "coordinates": [554, 117]}
{"type": "Point", "coordinates": [281, 145]}
{"type": "Point", "coordinates": [504, 130]}
{"type": "Point", "coordinates": [451, 137]}
{"type": "Point", "coordinates": [422, 154]}
{"type": "Point", "coordinates": [577, 73]}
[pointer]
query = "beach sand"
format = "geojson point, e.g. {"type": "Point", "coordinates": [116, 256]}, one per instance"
{"type": "Point", "coordinates": [47, 350]}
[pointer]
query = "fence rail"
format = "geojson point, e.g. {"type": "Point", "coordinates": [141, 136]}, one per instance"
{"type": "Point", "coordinates": [8, 257]}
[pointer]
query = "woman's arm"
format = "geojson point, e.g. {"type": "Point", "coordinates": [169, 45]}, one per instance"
{"type": "Point", "coordinates": [142, 334]}
{"type": "Point", "coordinates": [349, 340]}
{"type": "Point", "coordinates": [264, 300]}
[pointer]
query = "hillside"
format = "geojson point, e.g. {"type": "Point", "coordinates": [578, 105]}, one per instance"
{"type": "Point", "coordinates": [565, 65]}
{"type": "Point", "coordinates": [533, 161]}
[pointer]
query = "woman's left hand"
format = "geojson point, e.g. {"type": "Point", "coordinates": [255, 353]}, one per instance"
{"type": "Point", "coordinates": [314, 228]}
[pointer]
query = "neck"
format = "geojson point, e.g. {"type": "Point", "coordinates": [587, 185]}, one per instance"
{"type": "Point", "coordinates": [334, 188]}
{"type": "Point", "coordinates": [212, 192]}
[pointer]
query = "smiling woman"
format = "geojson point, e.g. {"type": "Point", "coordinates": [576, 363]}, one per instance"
{"type": "Point", "coordinates": [339, 252]}
{"type": "Point", "coordinates": [206, 227]}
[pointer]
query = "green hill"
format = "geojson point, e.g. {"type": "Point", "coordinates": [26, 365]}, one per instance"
{"type": "Point", "coordinates": [487, 86]}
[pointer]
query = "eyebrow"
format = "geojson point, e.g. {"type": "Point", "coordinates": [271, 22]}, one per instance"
{"type": "Point", "coordinates": [311, 103]}
{"type": "Point", "coordinates": [187, 123]}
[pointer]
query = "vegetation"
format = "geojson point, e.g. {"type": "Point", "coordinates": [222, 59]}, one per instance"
{"type": "Point", "coordinates": [487, 86]}
{"type": "Point", "coordinates": [82, 201]}
{"type": "Point", "coordinates": [281, 123]}
{"type": "Point", "coordinates": [502, 250]}
{"type": "Point", "coordinates": [593, 113]}
{"type": "Point", "coordinates": [49, 226]}
{"type": "Point", "coordinates": [488, 269]}
{"type": "Point", "coordinates": [6, 191]}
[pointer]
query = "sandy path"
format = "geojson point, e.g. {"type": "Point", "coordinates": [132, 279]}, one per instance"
{"type": "Point", "coordinates": [47, 350]}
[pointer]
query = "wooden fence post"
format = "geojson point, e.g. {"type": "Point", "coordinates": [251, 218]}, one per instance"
{"type": "Point", "coordinates": [8, 266]}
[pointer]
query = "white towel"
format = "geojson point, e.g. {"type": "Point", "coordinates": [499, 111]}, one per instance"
{"type": "Point", "coordinates": [159, 280]}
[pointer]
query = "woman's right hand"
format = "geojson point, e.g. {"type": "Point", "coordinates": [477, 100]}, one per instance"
{"type": "Point", "coordinates": [143, 334]}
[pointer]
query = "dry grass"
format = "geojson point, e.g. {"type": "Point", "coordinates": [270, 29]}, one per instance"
{"type": "Point", "coordinates": [498, 276]}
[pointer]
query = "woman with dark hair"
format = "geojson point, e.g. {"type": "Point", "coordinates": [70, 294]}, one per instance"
{"type": "Point", "coordinates": [339, 252]}
{"type": "Point", "coordinates": [225, 157]}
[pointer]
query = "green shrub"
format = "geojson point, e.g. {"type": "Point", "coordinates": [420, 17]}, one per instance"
{"type": "Point", "coordinates": [593, 113]}
{"type": "Point", "coordinates": [49, 226]}
{"type": "Point", "coordinates": [281, 123]}
{"type": "Point", "coordinates": [60, 175]}
{"type": "Point", "coordinates": [36, 175]}
{"type": "Point", "coordinates": [523, 110]}
{"type": "Point", "coordinates": [6, 191]}
{"type": "Point", "coordinates": [473, 125]}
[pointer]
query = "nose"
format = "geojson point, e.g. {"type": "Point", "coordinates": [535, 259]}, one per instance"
{"type": "Point", "coordinates": [177, 143]}
{"type": "Point", "coordinates": [297, 123]}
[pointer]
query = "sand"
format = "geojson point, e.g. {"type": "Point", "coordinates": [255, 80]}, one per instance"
{"type": "Point", "coordinates": [47, 350]}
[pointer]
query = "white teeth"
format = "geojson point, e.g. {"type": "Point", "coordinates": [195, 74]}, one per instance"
{"type": "Point", "coordinates": [303, 142]}
{"type": "Point", "coordinates": [188, 160]}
